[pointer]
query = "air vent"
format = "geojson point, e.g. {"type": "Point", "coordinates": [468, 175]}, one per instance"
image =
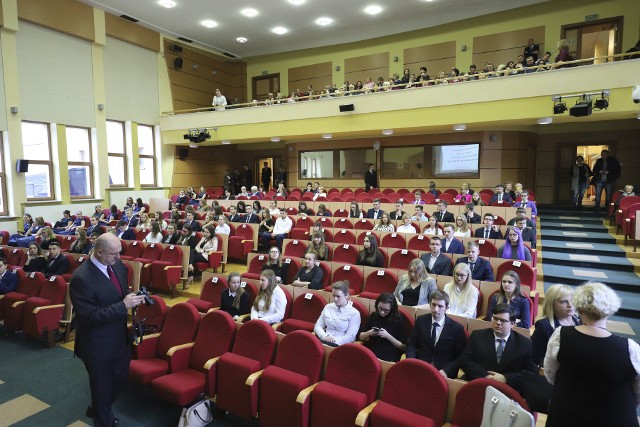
{"type": "Point", "coordinates": [185, 40]}
{"type": "Point", "coordinates": [229, 55]}
{"type": "Point", "coordinates": [128, 18]}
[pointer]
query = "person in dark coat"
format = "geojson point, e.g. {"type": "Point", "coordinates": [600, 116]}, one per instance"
{"type": "Point", "coordinates": [371, 178]}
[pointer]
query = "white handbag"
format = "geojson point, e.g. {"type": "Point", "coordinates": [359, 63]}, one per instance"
{"type": "Point", "coordinates": [197, 415]}
{"type": "Point", "coordinates": [500, 411]}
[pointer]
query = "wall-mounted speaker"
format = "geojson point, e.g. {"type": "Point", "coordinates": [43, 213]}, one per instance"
{"type": "Point", "coordinates": [346, 107]}
{"type": "Point", "coordinates": [176, 48]}
{"type": "Point", "coordinates": [22, 165]}
{"type": "Point", "coordinates": [183, 153]}
{"type": "Point", "coordinates": [177, 63]}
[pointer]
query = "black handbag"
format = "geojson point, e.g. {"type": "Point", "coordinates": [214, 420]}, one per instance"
{"type": "Point", "coordinates": [536, 391]}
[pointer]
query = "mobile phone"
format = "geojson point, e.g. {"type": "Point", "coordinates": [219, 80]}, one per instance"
{"type": "Point", "coordinates": [375, 328]}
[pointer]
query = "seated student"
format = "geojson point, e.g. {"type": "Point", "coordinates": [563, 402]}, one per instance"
{"type": "Point", "coordinates": [57, 264]}
{"type": "Point", "coordinates": [8, 279]}
{"type": "Point", "coordinates": [500, 196]}
{"type": "Point", "coordinates": [464, 195]}
{"type": "Point", "coordinates": [510, 293]}
{"type": "Point", "coordinates": [95, 226]}
{"type": "Point", "coordinates": [439, 345]}
{"type": "Point", "coordinates": [514, 247]}
{"type": "Point", "coordinates": [489, 231]}
{"type": "Point", "coordinates": [528, 234]}
{"type": "Point", "coordinates": [182, 198]}
{"type": "Point", "coordinates": [434, 261]}
{"type": "Point", "coordinates": [233, 215]}
{"type": "Point", "coordinates": [463, 296]}
{"type": "Point", "coordinates": [256, 207]}
{"type": "Point", "coordinates": [172, 235]}
{"type": "Point", "coordinates": [265, 228]}
{"type": "Point", "coordinates": [195, 225]}
{"type": "Point", "coordinates": [241, 207]}
{"type": "Point", "coordinates": [234, 300]}
{"type": "Point", "coordinates": [318, 246]}
{"type": "Point", "coordinates": [88, 250]}
{"type": "Point", "coordinates": [384, 332]}
{"type": "Point", "coordinates": [64, 222]}
{"type": "Point", "coordinates": [124, 232]}
{"type": "Point", "coordinates": [274, 262]}
{"type": "Point", "coordinates": [418, 198]}
{"type": "Point", "coordinates": [303, 209]}
{"type": "Point", "coordinates": [375, 212]}
{"type": "Point", "coordinates": [521, 212]}
{"type": "Point", "coordinates": [441, 214]}
{"type": "Point", "coordinates": [339, 321]}
{"type": "Point", "coordinates": [370, 255]}
{"type": "Point", "coordinates": [498, 353]}
{"type": "Point", "coordinates": [81, 242]}
{"type": "Point", "coordinates": [354, 211]}
{"type": "Point", "coordinates": [35, 230]}
{"type": "Point", "coordinates": [406, 226]}
{"type": "Point", "coordinates": [309, 188]}
{"type": "Point", "coordinates": [270, 304]}
{"type": "Point", "coordinates": [273, 208]}
{"type": "Point", "coordinates": [203, 249]}
{"type": "Point", "coordinates": [143, 221]}
{"type": "Point", "coordinates": [139, 207]}
{"type": "Point", "coordinates": [322, 210]}
{"type": "Point", "coordinates": [188, 237]}
{"type": "Point", "coordinates": [228, 195]}
{"type": "Point", "coordinates": [309, 275]}
{"type": "Point", "coordinates": [222, 227]}
{"type": "Point", "coordinates": [432, 228]}
{"type": "Point", "coordinates": [477, 200]}
{"type": "Point", "coordinates": [480, 267]}
{"type": "Point", "coordinates": [155, 235]}
{"type": "Point", "coordinates": [319, 193]}
{"type": "Point", "coordinates": [244, 192]}
{"type": "Point", "coordinates": [46, 237]}
{"type": "Point", "coordinates": [462, 228]}
{"type": "Point", "coordinates": [526, 203]}
{"type": "Point", "coordinates": [472, 216]}
{"type": "Point", "coordinates": [281, 228]}
{"type": "Point", "coordinates": [419, 214]}
{"type": "Point", "coordinates": [508, 189]}
{"type": "Point", "coordinates": [384, 224]}
{"type": "Point", "coordinates": [433, 190]}
{"type": "Point", "coordinates": [450, 244]}
{"type": "Point", "coordinates": [36, 260]}
{"type": "Point", "coordinates": [99, 214]}
{"type": "Point", "coordinates": [415, 287]}
{"type": "Point", "coordinates": [398, 213]}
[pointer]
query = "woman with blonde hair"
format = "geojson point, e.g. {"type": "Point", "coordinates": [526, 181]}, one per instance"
{"type": "Point", "coordinates": [270, 303]}
{"type": "Point", "coordinates": [462, 293]}
{"type": "Point", "coordinates": [415, 287]}
{"type": "Point", "coordinates": [318, 246]}
{"type": "Point", "coordinates": [462, 228]}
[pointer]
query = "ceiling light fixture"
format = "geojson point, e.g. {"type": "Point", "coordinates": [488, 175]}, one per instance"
{"type": "Point", "coordinates": [196, 136]}
{"type": "Point", "coordinates": [279, 30]}
{"type": "Point", "coordinates": [324, 21]}
{"type": "Point", "coordinates": [226, 142]}
{"type": "Point", "coordinates": [387, 131]}
{"type": "Point", "coordinates": [638, 116]}
{"type": "Point", "coordinates": [327, 136]}
{"type": "Point", "coordinates": [373, 9]}
{"type": "Point", "coordinates": [167, 3]}
{"type": "Point", "coordinates": [209, 23]}
{"type": "Point", "coordinates": [545, 120]}
{"type": "Point", "coordinates": [459, 127]}
{"type": "Point", "coordinates": [241, 39]}
{"type": "Point", "coordinates": [249, 12]}
{"type": "Point", "coordinates": [559, 107]}
{"type": "Point", "coordinates": [296, 2]}
{"type": "Point", "coordinates": [275, 139]}
{"type": "Point", "coordinates": [583, 108]}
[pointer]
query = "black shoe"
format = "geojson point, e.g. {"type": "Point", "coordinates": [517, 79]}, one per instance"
{"type": "Point", "coordinates": [89, 414]}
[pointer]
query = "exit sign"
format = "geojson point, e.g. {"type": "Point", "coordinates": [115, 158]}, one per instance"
{"type": "Point", "coordinates": [592, 17]}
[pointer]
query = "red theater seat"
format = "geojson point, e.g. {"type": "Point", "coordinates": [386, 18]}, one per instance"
{"type": "Point", "coordinates": [304, 314]}
{"type": "Point", "coordinates": [210, 295]}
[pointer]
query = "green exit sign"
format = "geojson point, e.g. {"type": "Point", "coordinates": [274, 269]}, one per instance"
{"type": "Point", "coordinates": [592, 17]}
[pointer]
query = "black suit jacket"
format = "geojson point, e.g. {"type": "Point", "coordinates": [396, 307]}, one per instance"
{"type": "Point", "coordinates": [371, 212]}
{"type": "Point", "coordinates": [9, 282]}
{"type": "Point", "coordinates": [195, 225]}
{"type": "Point", "coordinates": [482, 269]}
{"type": "Point", "coordinates": [56, 267]}
{"type": "Point", "coordinates": [370, 180]}
{"type": "Point", "coordinates": [505, 198]}
{"type": "Point", "coordinates": [448, 217]}
{"type": "Point", "coordinates": [102, 316]}
{"type": "Point", "coordinates": [492, 234]}
{"type": "Point", "coordinates": [528, 235]}
{"type": "Point", "coordinates": [266, 175]}
{"type": "Point", "coordinates": [447, 350]}
{"type": "Point", "coordinates": [475, 219]}
{"type": "Point", "coordinates": [441, 266]}
{"type": "Point", "coordinates": [393, 215]}
{"type": "Point", "coordinates": [254, 219]}
{"type": "Point", "coordinates": [235, 218]}
{"type": "Point", "coordinates": [172, 240]}
{"type": "Point", "coordinates": [129, 234]}
{"type": "Point", "coordinates": [479, 357]}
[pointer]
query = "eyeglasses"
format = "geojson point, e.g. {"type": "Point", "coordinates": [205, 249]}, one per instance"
{"type": "Point", "coordinates": [383, 310]}
{"type": "Point", "coordinates": [462, 275]}
{"type": "Point", "coordinates": [500, 321]}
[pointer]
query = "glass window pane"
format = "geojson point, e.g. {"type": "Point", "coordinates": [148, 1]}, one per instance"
{"type": "Point", "coordinates": [115, 137]}
{"type": "Point", "coordinates": [79, 181]}
{"type": "Point", "coordinates": [78, 147]}
{"type": "Point", "coordinates": [116, 170]}
{"type": "Point", "coordinates": [145, 140]}
{"type": "Point", "coordinates": [354, 163]}
{"type": "Point", "coordinates": [35, 139]}
{"type": "Point", "coordinates": [403, 162]}
{"type": "Point", "coordinates": [316, 164]}
{"type": "Point", "coordinates": [38, 181]}
{"type": "Point", "coordinates": [3, 208]}
{"type": "Point", "coordinates": [147, 176]}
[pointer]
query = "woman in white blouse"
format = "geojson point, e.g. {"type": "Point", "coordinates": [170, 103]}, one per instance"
{"type": "Point", "coordinates": [219, 101]}
{"type": "Point", "coordinates": [463, 296]}
{"type": "Point", "coordinates": [432, 228]}
{"type": "Point", "coordinates": [406, 226]}
{"type": "Point", "coordinates": [223, 227]}
{"type": "Point", "coordinates": [271, 302]}
{"type": "Point", "coordinates": [155, 235]}
{"type": "Point", "coordinates": [462, 228]}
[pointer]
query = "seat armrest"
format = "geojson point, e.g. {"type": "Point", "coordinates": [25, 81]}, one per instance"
{"type": "Point", "coordinates": [47, 307]}
{"type": "Point", "coordinates": [210, 363]}
{"type": "Point", "coordinates": [361, 419]}
{"type": "Point", "coordinates": [146, 349]}
{"type": "Point", "coordinates": [254, 377]}
{"type": "Point", "coordinates": [17, 304]}
{"type": "Point", "coordinates": [243, 318]}
{"type": "Point", "coordinates": [305, 393]}
{"type": "Point", "coordinates": [276, 326]}
{"type": "Point", "coordinates": [179, 356]}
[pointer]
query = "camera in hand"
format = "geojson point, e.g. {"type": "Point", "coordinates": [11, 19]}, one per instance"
{"type": "Point", "coordinates": [147, 299]}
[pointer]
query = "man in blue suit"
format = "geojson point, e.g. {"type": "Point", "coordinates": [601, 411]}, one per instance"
{"type": "Point", "coordinates": [450, 244]}
{"type": "Point", "coordinates": [375, 212]}
{"type": "Point", "coordinates": [434, 261]}
{"type": "Point", "coordinates": [8, 279]}
{"type": "Point", "coordinates": [480, 267]}
{"type": "Point", "coordinates": [500, 196]}
{"type": "Point", "coordinates": [124, 232]}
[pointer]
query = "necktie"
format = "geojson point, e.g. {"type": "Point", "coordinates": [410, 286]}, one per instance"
{"type": "Point", "coordinates": [499, 197]}
{"type": "Point", "coordinates": [248, 218]}
{"type": "Point", "coordinates": [500, 349]}
{"type": "Point", "coordinates": [486, 233]}
{"type": "Point", "coordinates": [434, 329]}
{"type": "Point", "coordinates": [472, 265]}
{"type": "Point", "coordinates": [442, 217]}
{"type": "Point", "coordinates": [114, 279]}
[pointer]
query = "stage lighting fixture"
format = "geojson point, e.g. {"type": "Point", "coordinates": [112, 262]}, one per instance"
{"type": "Point", "coordinates": [559, 108]}
{"type": "Point", "coordinates": [582, 108]}
{"type": "Point", "coordinates": [197, 136]}
{"type": "Point", "coordinates": [601, 104]}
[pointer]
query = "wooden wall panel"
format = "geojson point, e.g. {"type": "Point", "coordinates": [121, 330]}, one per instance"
{"type": "Point", "coordinates": [436, 57]}
{"type": "Point", "coordinates": [130, 32]}
{"type": "Point", "coordinates": [316, 75]}
{"type": "Point", "coordinates": [66, 16]}
{"type": "Point", "coordinates": [501, 48]}
{"type": "Point", "coordinates": [359, 68]}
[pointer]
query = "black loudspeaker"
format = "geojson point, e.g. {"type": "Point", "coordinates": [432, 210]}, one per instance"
{"type": "Point", "coordinates": [177, 63]}
{"type": "Point", "coordinates": [176, 48]}
{"type": "Point", "coordinates": [183, 153]}
{"type": "Point", "coordinates": [346, 107]}
{"type": "Point", "coordinates": [22, 165]}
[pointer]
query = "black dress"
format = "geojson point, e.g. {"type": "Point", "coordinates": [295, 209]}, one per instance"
{"type": "Point", "coordinates": [226, 303]}
{"type": "Point", "coordinates": [314, 277]}
{"type": "Point", "coordinates": [594, 383]}
{"type": "Point", "coordinates": [281, 272]}
{"type": "Point", "coordinates": [381, 347]}
{"type": "Point", "coordinates": [410, 296]}
{"type": "Point", "coordinates": [363, 260]}
{"type": "Point", "coordinates": [36, 264]}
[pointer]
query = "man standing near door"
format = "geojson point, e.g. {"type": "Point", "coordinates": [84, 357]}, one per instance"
{"type": "Point", "coordinates": [371, 178]}
{"type": "Point", "coordinates": [266, 176]}
{"type": "Point", "coordinates": [605, 173]}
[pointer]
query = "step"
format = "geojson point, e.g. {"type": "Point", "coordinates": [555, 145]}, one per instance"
{"type": "Point", "coordinates": [618, 280]}
{"type": "Point", "coordinates": [577, 236]}
{"type": "Point", "coordinates": [587, 213]}
{"type": "Point", "coordinates": [573, 226]}
{"type": "Point", "coordinates": [587, 259]}
{"type": "Point", "coordinates": [582, 248]}
{"type": "Point", "coordinates": [570, 218]}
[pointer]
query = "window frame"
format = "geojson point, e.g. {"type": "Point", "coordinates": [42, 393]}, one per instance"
{"type": "Point", "coordinates": [42, 162]}
{"type": "Point", "coordinates": [88, 164]}
{"type": "Point", "coordinates": [333, 164]}
{"type": "Point", "coordinates": [147, 156]}
{"type": "Point", "coordinates": [3, 180]}
{"type": "Point", "coordinates": [122, 156]}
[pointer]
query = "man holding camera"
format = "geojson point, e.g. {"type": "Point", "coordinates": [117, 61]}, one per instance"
{"type": "Point", "coordinates": [100, 295]}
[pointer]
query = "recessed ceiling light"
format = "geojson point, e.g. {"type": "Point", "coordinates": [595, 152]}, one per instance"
{"type": "Point", "coordinates": [373, 9]}
{"type": "Point", "coordinates": [296, 2]}
{"type": "Point", "coordinates": [241, 39]}
{"type": "Point", "coordinates": [226, 142]}
{"type": "Point", "coordinates": [249, 12]}
{"type": "Point", "coordinates": [167, 3]}
{"type": "Point", "coordinates": [209, 23]}
{"type": "Point", "coordinates": [193, 146]}
{"type": "Point", "coordinates": [459, 127]}
{"type": "Point", "coordinates": [279, 30]}
{"type": "Point", "coordinates": [327, 136]}
{"type": "Point", "coordinates": [387, 131]}
{"type": "Point", "coordinates": [275, 139]}
{"type": "Point", "coordinates": [324, 21]}
{"type": "Point", "coordinates": [545, 120]}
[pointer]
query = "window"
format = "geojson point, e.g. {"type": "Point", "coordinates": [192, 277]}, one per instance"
{"type": "Point", "coordinates": [354, 163]}
{"type": "Point", "coordinates": [3, 183]}
{"type": "Point", "coordinates": [403, 162]}
{"type": "Point", "coordinates": [37, 149]}
{"type": "Point", "coordinates": [316, 164]}
{"type": "Point", "coordinates": [147, 154]}
{"type": "Point", "coordinates": [117, 154]}
{"type": "Point", "coordinates": [79, 162]}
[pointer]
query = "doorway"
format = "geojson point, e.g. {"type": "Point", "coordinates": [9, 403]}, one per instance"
{"type": "Point", "coordinates": [259, 167]}
{"type": "Point", "coordinates": [597, 38]}
{"type": "Point", "coordinates": [567, 156]}
{"type": "Point", "coordinates": [262, 86]}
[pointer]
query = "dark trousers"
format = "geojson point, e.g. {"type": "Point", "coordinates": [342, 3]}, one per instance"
{"type": "Point", "coordinates": [266, 238]}
{"type": "Point", "coordinates": [106, 378]}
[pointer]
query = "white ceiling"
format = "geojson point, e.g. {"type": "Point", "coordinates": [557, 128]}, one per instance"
{"type": "Point", "coordinates": [350, 23]}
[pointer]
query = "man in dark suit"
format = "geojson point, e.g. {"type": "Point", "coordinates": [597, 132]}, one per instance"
{"type": "Point", "coordinates": [498, 353]}
{"type": "Point", "coordinates": [8, 279]}
{"type": "Point", "coordinates": [398, 213]}
{"type": "Point", "coordinates": [472, 216]}
{"type": "Point", "coordinates": [101, 299]}
{"type": "Point", "coordinates": [450, 244]}
{"type": "Point", "coordinates": [195, 225]}
{"type": "Point", "coordinates": [528, 234]}
{"type": "Point", "coordinates": [266, 176]}
{"type": "Point", "coordinates": [439, 345]}
{"type": "Point", "coordinates": [532, 50]}
{"type": "Point", "coordinates": [248, 176]}
{"type": "Point", "coordinates": [371, 178]}
{"type": "Point", "coordinates": [250, 217]}
{"type": "Point", "coordinates": [488, 231]}
{"type": "Point", "coordinates": [188, 237]}
{"type": "Point", "coordinates": [442, 215]}
{"type": "Point", "coordinates": [605, 173]}
{"type": "Point", "coordinates": [57, 263]}
{"type": "Point", "coordinates": [501, 197]}
{"type": "Point", "coordinates": [435, 262]}
{"type": "Point", "coordinates": [375, 212]}
{"type": "Point", "coordinates": [124, 232]}
{"type": "Point", "coordinates": [233, 215]}
{"type": "Point", "coordinates": [480, 267]}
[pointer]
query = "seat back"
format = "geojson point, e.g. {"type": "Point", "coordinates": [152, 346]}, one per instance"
{"type": "Point", "coordinates": [256, 263]}
{"type": "Point", "coordinates": [304, 222]}
{"type": "Point", "coordinates": [346, 253]}
{"type": "Point", "coordinates": [244, 231]}
{"type": "Point", "coordinates": [153, 315]}
{"type": "Point", "coordinates": [180, 326]}
{"type": "Point", "coordinates": [172, 254]}
{"type": "Point", "coordinates": [142, 233]}
{"type": "Point", "coordinates": [212, 290]}
{"type": "Point", "coordinates": [15, 257]}
{"type": "Point", "coordinates": [32, 284]}
{"type": "Point", "coordinates": [54, 289]}
{"type": "Point", "coordinates": [351, 273]}
{"type": "Point", "coordinates": [381, 281]}
{"type": "Point", "coordinates": [133, 250]}
{"type": "Point", "coordinates": [344, 236]}
{"type": "Point", "coordinates": [66, 241]}
{"type": "Point", "coordinates": [487, 248]}
{"type": "Point", "coordinates": [152, 251]}
{"type": "Point", "coordinates": [419, 242]}
{"type": "Point", "coordinates": [296, 248]}
{"type": "Point", "coordinates": [524, 270]}
{"type": "Point", "coordinates": [308, 307]}
{"type": "Point", "coordinates": [215, 337]}
{"type": "Point", "coordinates": [393, 240]}
{"type": "Point", "coordinates": [301, 352]}
{"type": "Point", "coordinates": [402, 258]}
{"type": "Point", "coordinates": [256, 340]}
{"type": "Point", "coordinates": [355, 367]}
{"type": "Point", "coordinates": [363, 224]}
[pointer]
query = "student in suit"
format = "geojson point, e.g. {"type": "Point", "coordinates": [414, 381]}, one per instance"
{"type": "Point", "coordinates": [450, 244]}
{"type": "Point", "coordinates": [57, 263]}
{"type": "Point", "coordinates": [250, 217]}
{"type": "Point", "coordinates": [172, 236]}
{"type": "Point", "coordinates": [501, 196]}
{"type": "Point", "coordinates": [371, 178]}
{"type": "Point", "coordinates": [498, 353]}
{"type": "Point", "coordinates": [489, 231]}
{"type": "Point", "coordinates": [480, 267]}
{"type": "Point", "coordinates": [233, 215]}
{"type": "Point", "coordinates": [100, 294]}
{"type": "Point", "coordinates": [472, 216]}
{"type": "Point", "coordinates": [528, 234]}
{"type": "Point", "coordinates": [440, 346]}
{"type": "Point", "coordinates": [398, 213]}
{"type": "Point", "coordinates": [188, 237]}
{"type": "Point", "coordinates": [8, 279]}
{"type": "Point", "coordinates": [266, 176]}
{"type": "Point", "coordinates": [124, 232]}
{"type": "Point", "coordinates": [435, 262]}
{"type": "Point", "coordinates": [195, 225]}
{"type": "Point", "coordinates": [375, 212]}
{"type": "Point", "coordinates": [441, 214]}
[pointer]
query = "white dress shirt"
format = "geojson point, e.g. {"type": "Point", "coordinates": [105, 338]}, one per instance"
{"type": "Point", "coordinates": [342, 323]}
{"type": "Point", "coordinates": [275, 312]}
{"type": "Point", "coordinates": [282, 226]}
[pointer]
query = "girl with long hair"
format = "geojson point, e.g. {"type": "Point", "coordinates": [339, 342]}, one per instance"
{"type": "Point", "coordinates": [415, 287]}
{"type": "Point", "coordinates": [274, 262]}
{"type": "Point", "coordinates": [384, 224]}
{"type": "Point", "coordinates": [510, 293]}
{"type": "Point", "coordinates": [370, 255]}
{"type": "Point", "coordinates": [270, 303]}
{"type": "Point", "coordinates": [384, 332]}
{"type": "Point", "coordinates": [234, 300]}
{"type": "Point", "coordinates": [318, 246]}
{"type": "Point", "coordinates": [462, 293]}
{"type": "Point", "coordinates": [514, 247]}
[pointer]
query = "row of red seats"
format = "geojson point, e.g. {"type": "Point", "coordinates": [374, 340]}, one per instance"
{"type": "Point", "coordinates": [625, 216]}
